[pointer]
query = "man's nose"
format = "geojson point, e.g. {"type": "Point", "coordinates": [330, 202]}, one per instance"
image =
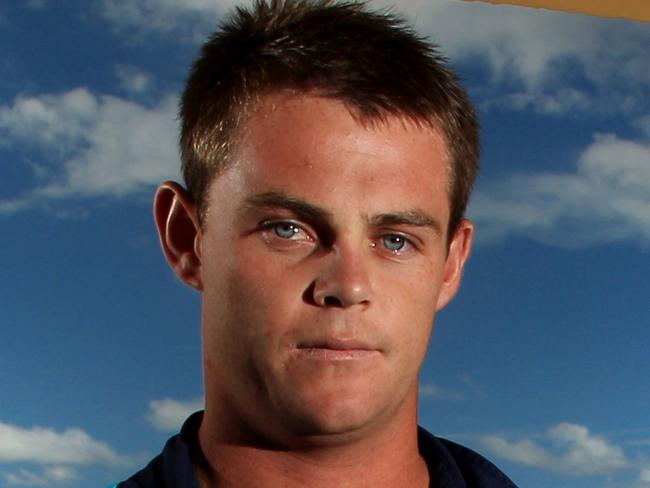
{"type": "Point", "coordinates": [344, 281]}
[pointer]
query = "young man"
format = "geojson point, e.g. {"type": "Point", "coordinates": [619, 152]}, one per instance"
{"type": "Point", "coordinates": [328, 154]}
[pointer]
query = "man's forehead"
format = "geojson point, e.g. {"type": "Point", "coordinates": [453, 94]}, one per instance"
{"type": "Point", "coordinates": [285, 116]}
{"type": "Point", "coordinates": [311, 108]}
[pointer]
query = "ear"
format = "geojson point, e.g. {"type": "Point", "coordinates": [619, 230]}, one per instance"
{"type": "Point", "coordinates": [179, 231]}
{"type": "Point", "coordinates": [459, 251]}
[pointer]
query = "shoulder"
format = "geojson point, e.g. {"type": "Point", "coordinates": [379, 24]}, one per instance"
{"type": "Point", "coordinates": [172, 468]}
{"type": "Point", "coordinates": [455, 466]}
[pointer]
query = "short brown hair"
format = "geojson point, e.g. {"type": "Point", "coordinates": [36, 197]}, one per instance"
{"type": "Point", "coordinates": [373, 62]}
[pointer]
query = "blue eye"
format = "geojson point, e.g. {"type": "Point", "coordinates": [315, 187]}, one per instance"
{"type": "Point", "coordinates": [394, 242]}
{"type": "Point", "coordinates": [285, 230]}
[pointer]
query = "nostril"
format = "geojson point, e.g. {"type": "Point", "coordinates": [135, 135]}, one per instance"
{"type": "Point", "coordinates": [308, 295]}
{"type": "Point", "coordinates": [340, 289]}
{"type": "Point", "coordinates": [330, 301]}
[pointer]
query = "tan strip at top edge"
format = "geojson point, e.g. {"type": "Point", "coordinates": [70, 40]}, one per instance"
{"type": "Point", "coordinates": [629, 9]}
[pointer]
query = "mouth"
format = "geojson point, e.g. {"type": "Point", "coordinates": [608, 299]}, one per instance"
{"type": "Point", "coordinates": [336, 349]}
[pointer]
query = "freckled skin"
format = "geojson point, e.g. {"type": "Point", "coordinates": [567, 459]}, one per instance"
{"type": "Point", "coordinates": [264, 294]}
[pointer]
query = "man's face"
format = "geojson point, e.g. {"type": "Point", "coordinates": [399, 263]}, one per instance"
{"type": "Point", "coordinates": [323, 261]}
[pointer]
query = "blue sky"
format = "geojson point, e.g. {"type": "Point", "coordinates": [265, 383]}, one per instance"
{"type": "Point", "coordinates": [541, 361]}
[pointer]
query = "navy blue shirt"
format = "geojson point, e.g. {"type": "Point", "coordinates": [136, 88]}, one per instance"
{"type": "Point", "coordinates": [450, 465]}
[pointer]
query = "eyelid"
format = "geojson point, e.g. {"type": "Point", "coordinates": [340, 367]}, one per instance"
{"type": "Point", "coordinates": [265, 223]}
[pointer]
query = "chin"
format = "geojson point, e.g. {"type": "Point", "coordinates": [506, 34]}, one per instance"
{"type": "Point", "coordinates": [334, 417]}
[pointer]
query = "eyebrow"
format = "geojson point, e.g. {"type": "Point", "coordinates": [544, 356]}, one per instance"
{"type": "Point", "coordinates": [416, 218]}
{"type": "Point", "coordinates": [277, 199]}
{"type": "Point", "coordinates": [323, 217]}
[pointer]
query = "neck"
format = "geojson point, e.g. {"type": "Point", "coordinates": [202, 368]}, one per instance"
{"type": "Point", "coordinates": [387, 458]}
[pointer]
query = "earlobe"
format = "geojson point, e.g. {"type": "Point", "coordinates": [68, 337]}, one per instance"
{"type": "Point", "coordinates": [179, 231]}
{"type": "Point", "coordinates": [459, 251]}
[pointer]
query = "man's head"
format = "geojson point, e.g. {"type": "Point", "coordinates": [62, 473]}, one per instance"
{"type": "Point", "coordinates": [372, 63]}
{"type": "Point", "coordinates": [326, 248]}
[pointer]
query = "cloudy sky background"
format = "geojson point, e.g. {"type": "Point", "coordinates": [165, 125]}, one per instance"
{"type": "Point", "coordinates": [541, 361]}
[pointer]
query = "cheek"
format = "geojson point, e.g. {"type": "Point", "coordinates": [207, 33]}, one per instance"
{"type": "Point", "coordinates": [411, 305]}
{"type": "Point", "coordinates": [249, 304]}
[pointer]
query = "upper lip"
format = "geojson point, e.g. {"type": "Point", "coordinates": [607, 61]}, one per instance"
{"type": "Point", "coordinates": [336, 344]}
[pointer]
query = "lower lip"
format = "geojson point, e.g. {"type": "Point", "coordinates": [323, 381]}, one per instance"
{"type": "Point", "coordinates": [336, 354]}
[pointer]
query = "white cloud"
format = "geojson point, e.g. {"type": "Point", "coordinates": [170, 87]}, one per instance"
{"type": "Point", "coordinates": [429, 390]}
{"type": "Point", "coordinates": [47, 446]}
{"type": "Point", "coordinates": [48, 477]}
{"type": "Point", "coordinates": [91, 145]}
{"type": "Point", "coordinates": [37, 4]}
{"type": "Point", "coordinates": [55, 121]}
{"type": "Point", "coordinates": [550, 61]}
{"type": "Point", "coordinates": [168, 415]}
{"type": "Point", "coordinates": [644, 476]}
{"type": "Point", "coordinates": [190, 18]}
{"type": "Point", "coordinates": [571, 449]}
{"type": "Point", "coordinates": [132, 79]}
{"type": "Point", "coordinates": [13, 206]}
{"type": "Point", "coordinates": [606, 199]}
